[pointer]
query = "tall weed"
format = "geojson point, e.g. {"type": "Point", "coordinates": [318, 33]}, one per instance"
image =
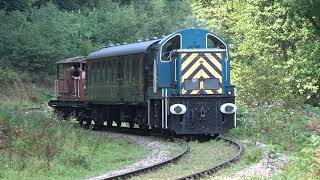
{"type": "Point", "coordinates": [296, 131]}
{"type": "Point", "coordinates": [24, 94]}
{"type": "Point", "coordinates": [37, 144]}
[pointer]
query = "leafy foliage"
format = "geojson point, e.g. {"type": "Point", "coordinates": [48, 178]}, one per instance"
{"type": "Point", "coordinates": [274, 46]}
{"type": "Point", "coordinates": [33, 39]}
{"type": "Point", "coordinates": [294, 132]}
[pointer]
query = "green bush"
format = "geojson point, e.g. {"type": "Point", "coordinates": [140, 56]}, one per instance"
{"type": "Point", "coordinates": [262, 83]}
{"type": "Point", "coordinates": [304, 163]}
{"type": "Point", "coordinates": [292, 131]}
{"type": "Point", "coordinates": [286, 128]}
{"type": "Point", "coordinates": [8, 76]}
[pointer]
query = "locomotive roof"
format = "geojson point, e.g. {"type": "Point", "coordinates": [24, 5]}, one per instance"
{"type": "Point", "coordinates": [134, 48]}
{"type": "Point", "coordinates": [72, 60]}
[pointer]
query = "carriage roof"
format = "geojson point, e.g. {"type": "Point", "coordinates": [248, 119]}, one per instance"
{"type": "Point", "coordinates": [126, 49]}
{"type": "Point", "coordinates": [76, 59]}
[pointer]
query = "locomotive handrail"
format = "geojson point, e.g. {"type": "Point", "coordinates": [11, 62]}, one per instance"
{"type": "Point", "coordinates": [201, 50]}
{"type": "Point", "coordinates": [56, 82]}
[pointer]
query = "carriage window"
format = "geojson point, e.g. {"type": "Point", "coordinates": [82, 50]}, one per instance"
{"type": "Point", "coordinates": [101, 70]}
{"type": "Point", "coordinates": [93, 72]}
{"type": "Point", "coordinates": [60, 71]}
{"type": "Point", "coordinates": [172, 44]}
{"type": "Point", "coordinates": [213, 42]}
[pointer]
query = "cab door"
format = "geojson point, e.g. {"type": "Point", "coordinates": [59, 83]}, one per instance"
{"type": "Point", "coordinates": [166, 61]}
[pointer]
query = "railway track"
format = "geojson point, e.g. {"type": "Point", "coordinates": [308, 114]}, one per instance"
{"type": "Point", "coordinates": [127, 175]}
{"type": "Point", "coordinates": [186, 148]}
{"type": "Point", "coordinates": [213, 169]}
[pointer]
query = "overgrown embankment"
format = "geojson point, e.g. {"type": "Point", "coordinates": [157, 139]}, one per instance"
{"type": "Point", "coordinates": [37, 144]}
{"type": "Point", "coordinates": [294, 132]}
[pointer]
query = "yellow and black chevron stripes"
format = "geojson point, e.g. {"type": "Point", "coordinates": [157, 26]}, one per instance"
{"type": "Point", "coordinates": [200, 66]}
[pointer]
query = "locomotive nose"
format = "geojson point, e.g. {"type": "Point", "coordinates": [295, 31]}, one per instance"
{"type": "Point", "coordinates": [228, 108]}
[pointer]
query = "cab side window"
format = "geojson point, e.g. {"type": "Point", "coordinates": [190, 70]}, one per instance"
{"type": "Point", "coordinates": [172, 44]}
{"type": "Point", "coordinates": [213, 42]}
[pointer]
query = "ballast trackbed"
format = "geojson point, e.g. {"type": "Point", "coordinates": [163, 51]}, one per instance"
{"type": "Point", "coordinates": [196, 175]}
{"type": "Point", "coordinates": [213, 169]}
{"type": "Point", "coordinates": [129, 174]}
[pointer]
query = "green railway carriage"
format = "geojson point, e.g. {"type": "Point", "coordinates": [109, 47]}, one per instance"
{"type": "Point", "coordinates": [179, 84]}
{"type": "Point", "coordinates": [116, 79]}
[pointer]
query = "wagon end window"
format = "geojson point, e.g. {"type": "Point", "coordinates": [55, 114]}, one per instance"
{"type": "Point", "coordinates": [214, 43]}
{"type": "Point", "coordinates": [60, 71]}
{"type": "Point", "coordinates": [172, 44]}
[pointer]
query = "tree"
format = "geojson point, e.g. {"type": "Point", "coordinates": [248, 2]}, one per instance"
{"type": "Point", "coordinates": [12, 5]}
{"type": "Point", "coordinates": [32, 40]}
{"type": "Point", "coordinates": [269, 41]}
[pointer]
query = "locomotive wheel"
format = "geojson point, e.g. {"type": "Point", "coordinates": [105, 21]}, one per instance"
{"type": "Point", "coordinates": [98, 125]}
{"type": "Point", "coordinates": [81, 119]}
{"type": "Point", "coordinates": [98, 118]}
{"type": "Point", "coordinates": [143, 126]}
{"type": "Point", "coordinates": [80, 122]}
{"type": "Point", "coordinates": [109, 124]}
{"type": "Point", "coordinates": [131, 124]}
{"type": "Point", "coordinates": [85, 123]}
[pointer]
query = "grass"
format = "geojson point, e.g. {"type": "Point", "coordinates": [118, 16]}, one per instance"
{"type": "Point", "coordinates": [201, 156]}
{"type": "Point", "coordinates": [294, 132]}
{"type": "Point", "coordinates": [25, 94]}
{"type": "Point", "coordinates": [92, 155]}
{"type": "Point", "coordinates": [252, 155]}
{"type": "Point", "coordinates": [40, 147]}
{"type": "Point", "coordinates": [37, 145]}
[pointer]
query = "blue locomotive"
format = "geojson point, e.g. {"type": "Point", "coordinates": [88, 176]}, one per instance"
{"type": "Point", "coordinates": [178, 84]}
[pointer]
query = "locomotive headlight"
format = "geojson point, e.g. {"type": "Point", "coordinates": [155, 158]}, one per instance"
{"type": "Point", "coordinates": [229, 93]}
{"type": "Point", "coordinates": [178, 109]}
{"type": "Point", "coordinates": [228, 108]}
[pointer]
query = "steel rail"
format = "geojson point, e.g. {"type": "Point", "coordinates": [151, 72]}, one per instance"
{"type": "Point", "coordinates": [129, 174]}
{"type": "Point", "coordinates": [213, 169]}
{"type": "Point", "coordinates": [186, 149]}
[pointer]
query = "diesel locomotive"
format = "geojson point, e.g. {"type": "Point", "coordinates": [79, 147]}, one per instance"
{"type": "Point", "coordinates": [178, 84]}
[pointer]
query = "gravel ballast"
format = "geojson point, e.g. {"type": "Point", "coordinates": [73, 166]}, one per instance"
{"type": "Point", "coordinates": [159, 151]}
{"type": "Point", "coordinates": [270, 164]}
